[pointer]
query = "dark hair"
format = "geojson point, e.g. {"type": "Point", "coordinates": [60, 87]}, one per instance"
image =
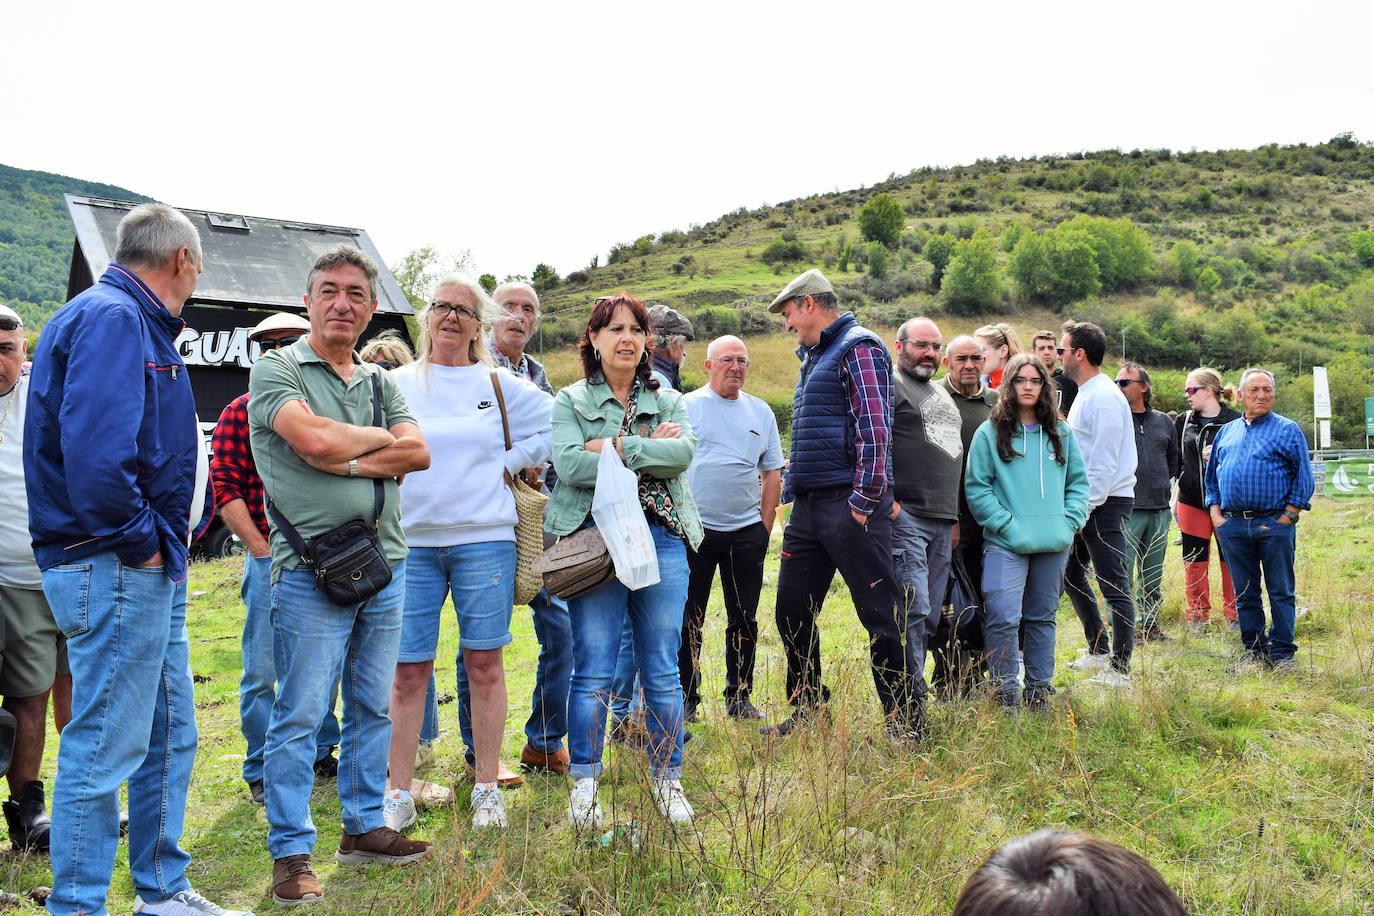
{"type": "Point", "coordinates": [600, 317]}
{"type": "Point", "coordinates": [1068, 874]}
{"type": "Point", "coordinates": [1006, 419]}
{"type": "Point", "coordinates": [1043, 335]}
{"type": "Point", "coordinates": [827, 301]}
{"type": "Point", "coordinates": [1144, 376]}
{"type": "Point", "coordinates": [1089, 338]}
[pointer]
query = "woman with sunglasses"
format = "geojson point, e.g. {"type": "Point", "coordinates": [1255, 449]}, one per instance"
{"type": "Point", "coordinates": [1208, 411]}
{"type": "Point", "coordinates": [459, 520]}
{"type": "Point", "coordinates": [1027, 487]}
{"type": "Point", "coordinates": [1000, 344]}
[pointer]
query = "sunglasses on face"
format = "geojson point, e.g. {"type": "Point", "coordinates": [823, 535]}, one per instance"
{"type": "Point", "coordinates": [279, 343]}
{"type": "Point", "coordinates": [10, 324]}
{"type": "Point", "coordinates": [1123, 382]}
{"type": "Point", "coordinates": [387, 364]}
{"type": "Point", "coordinates": [1193, 389]}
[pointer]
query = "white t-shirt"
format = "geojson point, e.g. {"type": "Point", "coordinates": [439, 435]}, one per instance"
{"type": "Point", "coordinates": [735, 441]}
{"type": "Point", "coordinates": [462, 498]}
{"type": "Point", "coordinates": [1101, 422]}
{"type": "Point", "coordinates": [17, 566]}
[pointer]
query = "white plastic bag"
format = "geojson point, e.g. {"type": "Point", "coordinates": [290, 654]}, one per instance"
{"type": "Point", "coordinates": [620, 519]}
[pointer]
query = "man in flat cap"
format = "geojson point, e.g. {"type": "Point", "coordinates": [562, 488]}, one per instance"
{"type": "Point", "coordinates": [671, 330]}
{"type": "Point", "coordinates": [839, 478]}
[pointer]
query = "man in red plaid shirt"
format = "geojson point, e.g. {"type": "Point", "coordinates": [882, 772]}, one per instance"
{"type": "Point", "coordinates": [239, 501]}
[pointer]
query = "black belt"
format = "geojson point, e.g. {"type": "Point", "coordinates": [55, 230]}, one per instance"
{"type": "Point", "coordinates": [1250, 513]}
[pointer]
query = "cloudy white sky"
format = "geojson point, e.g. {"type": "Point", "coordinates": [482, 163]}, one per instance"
{"type": "Point", "coordinates": [534, 131]}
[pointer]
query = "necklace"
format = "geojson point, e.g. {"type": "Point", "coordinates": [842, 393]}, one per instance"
{"type": "Point", "coordinates": [9, 405]}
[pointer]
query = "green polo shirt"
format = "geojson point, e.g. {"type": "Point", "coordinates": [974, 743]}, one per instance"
{"type": "Point", "coordinates": [312, 500]}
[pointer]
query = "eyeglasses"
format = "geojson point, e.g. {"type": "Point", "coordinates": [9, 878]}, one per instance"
{"type": "Point", "coordinates": [1194, 389]}
{"type": "Point", "coordinates": [278, 344]}
{"type": "Point", "coordinates": [741, 361]}
{"type": "Point", "coordinates": [1033, 381]}
{"type": "Point", "coordinates": [1123, 382]}
{"type": "Point", "coordinates": [445, 309]}
{"type": "Point", "coordinates": [920, 344]}
{"type": "Point", "coordinates": [10, 324]}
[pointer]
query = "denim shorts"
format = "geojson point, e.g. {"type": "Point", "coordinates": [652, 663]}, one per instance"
{"type": "Point", "coordinates": [481, 578]}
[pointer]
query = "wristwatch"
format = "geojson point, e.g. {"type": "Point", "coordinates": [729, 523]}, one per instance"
{"type": "Point", "coordinates": [353, 467]}
{"type": "Point", "coordinates": [1290, 515]}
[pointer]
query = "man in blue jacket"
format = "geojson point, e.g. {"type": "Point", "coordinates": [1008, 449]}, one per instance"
{"type": "Point", "coordinates": [110, 443]}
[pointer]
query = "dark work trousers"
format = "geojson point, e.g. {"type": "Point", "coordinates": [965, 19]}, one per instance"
{"type": "Point", "coordinates": [739, 556]}
{"type": "Point", "coordinates": [956, 670]}
{"type": "Point", "coordinates": [820, 538]}
{"type": "Point", "coordinates": [1102, 543]}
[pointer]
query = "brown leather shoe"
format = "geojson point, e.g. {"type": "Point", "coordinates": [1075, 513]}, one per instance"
{"type": "Point", "coordinates": [505, 777]}
{"type": "Point", "coordinates": [557, 762]}
{"type": "Point", "coordinates": [293, 883]}
{"type": "Point", "coordinates": [381, 844]}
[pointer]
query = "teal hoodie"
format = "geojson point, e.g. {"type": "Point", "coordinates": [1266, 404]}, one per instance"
{"type": "Point", "coordinates": [1031, 504]}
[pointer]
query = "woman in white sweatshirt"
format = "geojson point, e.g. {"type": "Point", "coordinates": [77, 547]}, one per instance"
{"type": "Point", "coordinates": [459, 521]}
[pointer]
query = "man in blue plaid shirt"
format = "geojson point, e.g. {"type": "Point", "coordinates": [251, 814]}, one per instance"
{"type": "Point", "coordinates": [1259, 479]}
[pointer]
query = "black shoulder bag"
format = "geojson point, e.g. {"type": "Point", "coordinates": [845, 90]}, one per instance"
{"type": "Point", "coordinates": [347, 561]}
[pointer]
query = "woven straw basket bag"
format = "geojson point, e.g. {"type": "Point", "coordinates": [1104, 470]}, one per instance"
{"type": "Point", "coordinates": [529, 525]}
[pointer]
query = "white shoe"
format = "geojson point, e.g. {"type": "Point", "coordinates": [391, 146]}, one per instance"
{"type": "Point", "coordinates": [186, 903]}
{"type": "Point", "coordinates": [672, 803]}
{"type": "Point", "coordinates": [398, 810]}
{"type": "Point", "coordinates": [488, 808]}
{"type": "Point", "coordinates": [1087, 661]}
{"type": "Point", "coordinates": [1110, 677]}
{"type": "Point", "coordinates": [424, 756]}
{"type": "Point", "coordinates": [584, 811]}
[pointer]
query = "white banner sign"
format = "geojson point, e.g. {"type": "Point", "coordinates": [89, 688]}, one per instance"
{"type": "Point", "coordinates": [1321, 394]}
{"type": "Point", "coordinates": [1325, 437]}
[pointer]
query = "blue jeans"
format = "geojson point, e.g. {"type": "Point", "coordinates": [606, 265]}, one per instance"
{"type": "Point", "coordinates": [655, 616]}
{"type": "Point", "coordinates": [1261, 545]}
{"type": "Point", "coordinates": [133, 719]}
{"type": "Point", "coordinates": [320, 644]}
{"type": "Point", "coordinates": [481, 578]}
{"type": "Point", "coordinates": [258, 686]}
{"type": "Point", "coordinates": [920, 558]}
{"type": "Point", "coordinates": [548, 722]}
{"type": "Point", "coordinates": [625, 700]}
{"type": "Point", "coordinates": [429, 729]}
{"type": "Point", "coordinates": [1020, 589]}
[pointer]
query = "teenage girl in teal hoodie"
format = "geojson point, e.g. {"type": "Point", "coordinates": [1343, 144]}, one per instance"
{"type": "Point", "coordinates": [1027, 487]}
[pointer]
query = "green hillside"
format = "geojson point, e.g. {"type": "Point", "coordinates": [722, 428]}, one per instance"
{"type": "Point", "coordinates": [36, 237]}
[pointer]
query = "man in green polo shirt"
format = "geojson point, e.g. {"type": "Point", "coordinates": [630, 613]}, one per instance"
{"type": "Point", "coordinates": [310, 420]}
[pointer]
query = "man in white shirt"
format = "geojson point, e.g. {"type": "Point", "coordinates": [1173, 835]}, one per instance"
{"type": "Point", "coordinates": [1101, 422]}
{"type": "Point", "coordinates": [736, 478]}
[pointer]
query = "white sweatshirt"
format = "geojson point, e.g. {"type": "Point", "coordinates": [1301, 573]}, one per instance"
{"type": "Point", "coordinates": [1101, 422]}
{"type": "Point", "coordinates": [462, 498]}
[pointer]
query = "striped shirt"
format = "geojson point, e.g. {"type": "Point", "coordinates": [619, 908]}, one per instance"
{"type": "Point", "coordinates": [1259, 465]}
{"type": "Point", "coordinates": [867, 375]}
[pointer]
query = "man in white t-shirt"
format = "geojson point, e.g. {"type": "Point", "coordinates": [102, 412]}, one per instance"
{"type": "Point", "coordinates": [1101, 422]}
{"type": "Point", "coordinates": [736, 479]}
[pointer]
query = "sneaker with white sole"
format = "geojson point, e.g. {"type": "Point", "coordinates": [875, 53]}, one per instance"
{"type": "Point", "coordinates": [488, 808]}
{"type": "Point", "coordinates": [1110, 677]}
{"type": "Point", "coordinates": [398, 810]}
{"type": "Point", "coordinates": [672, 803]}
{"type": "Point", "coordinates": [186, 903]}
{"type": "Point", "coordinates": [584, 811]}
{"type": "Point", "coordinates": [1088, 661]}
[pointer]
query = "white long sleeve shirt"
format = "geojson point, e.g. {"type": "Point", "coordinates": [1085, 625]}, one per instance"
{"type": "Point", "coordinates": [463, 498]}
{"type": "Point", "coordinates": [1101, 422]}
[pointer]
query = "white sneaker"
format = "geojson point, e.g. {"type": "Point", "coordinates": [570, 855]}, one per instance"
{"type": "Point", "coordinates": [1110, 677]}
{"type": "Point", "coordinates": [672, 803]}
{"type": "Point", "coordinates": [398, 810]}
{"type": "Point", "coordinates": [186, 903]}
{"type": "Point", "coordinates": [424, 756]}
{"type": "Point", "coordinates": [1087, 661]}
{"type": "Point", "coordinates": [488, 808]}
{"type": "Point", "coordinates": [584, 811]}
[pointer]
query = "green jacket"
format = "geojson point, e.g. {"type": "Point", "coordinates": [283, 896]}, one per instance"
{"type": "Point", "coordinates": [1031, 504]}
{"type": "Point", "coordinates": [588, 410]}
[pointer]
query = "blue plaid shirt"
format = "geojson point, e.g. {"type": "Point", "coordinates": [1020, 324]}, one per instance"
{"type": "Point", "coordinates": [1258, 465]}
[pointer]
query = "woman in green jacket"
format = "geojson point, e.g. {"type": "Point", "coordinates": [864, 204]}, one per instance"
{"type": "Point", "coordinates": [1028, 488]}
{"type": "Point", "coordinates": [617, 405]}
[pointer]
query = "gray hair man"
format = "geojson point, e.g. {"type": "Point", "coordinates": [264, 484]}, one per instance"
{"type": "Point", "coordinates": [671, 330]}
{"type": "Point", "coordinates": [927, 462]}
{"type": "Point", "coordinates": [840, 474]}
{"type": "Point", "coordinates": [1259, 481]}
{"type": "Point", "coordinates": [310, 416]}
{"type": "Point", "coordinates": [110, 521]}
{"type": "Point", "coordinates": [736, 478]}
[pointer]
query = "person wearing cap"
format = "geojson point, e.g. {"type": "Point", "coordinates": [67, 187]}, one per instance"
{"type": "Point", "coordinates": [671, 330]}
{"type": "Point", "coordinates": [239, 501]}
{"type": "Point", "coordinates": [840, 481]}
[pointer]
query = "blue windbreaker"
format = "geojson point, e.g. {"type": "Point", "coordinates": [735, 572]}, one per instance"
{"type": "Point", "coordinates": [110, 433]}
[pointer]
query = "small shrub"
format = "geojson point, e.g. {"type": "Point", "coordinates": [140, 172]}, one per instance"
{"type": "Point", "coordinates": [881, 220]}
{"type": "Point", "coordinates": [877, 260]}
{"type": "Point", "coordinates": [782, 250]}
{"type": "Point", "coordinates": [715, 320]}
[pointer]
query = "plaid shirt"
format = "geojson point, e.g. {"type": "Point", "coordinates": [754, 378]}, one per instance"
{"type": "Point", "coordinates": [232, 471]}
{"type": "Point", "coordinates": [1258, 465]}
{"type": "Point", "coordinates": [867, 374]}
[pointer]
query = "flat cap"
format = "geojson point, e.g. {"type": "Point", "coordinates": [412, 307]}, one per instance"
{"type": "Point", "coordinates": [668, 321]}
{"type": "Point", "coordinates": [810, 283]}
{"type": "Point", "coordinates": [11, 314]}
{"type": "Point", "coordinates": [280, 321]}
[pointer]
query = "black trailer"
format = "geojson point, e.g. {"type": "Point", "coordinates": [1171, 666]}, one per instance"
{"type": "Point", "coordinates": [254, 266]}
